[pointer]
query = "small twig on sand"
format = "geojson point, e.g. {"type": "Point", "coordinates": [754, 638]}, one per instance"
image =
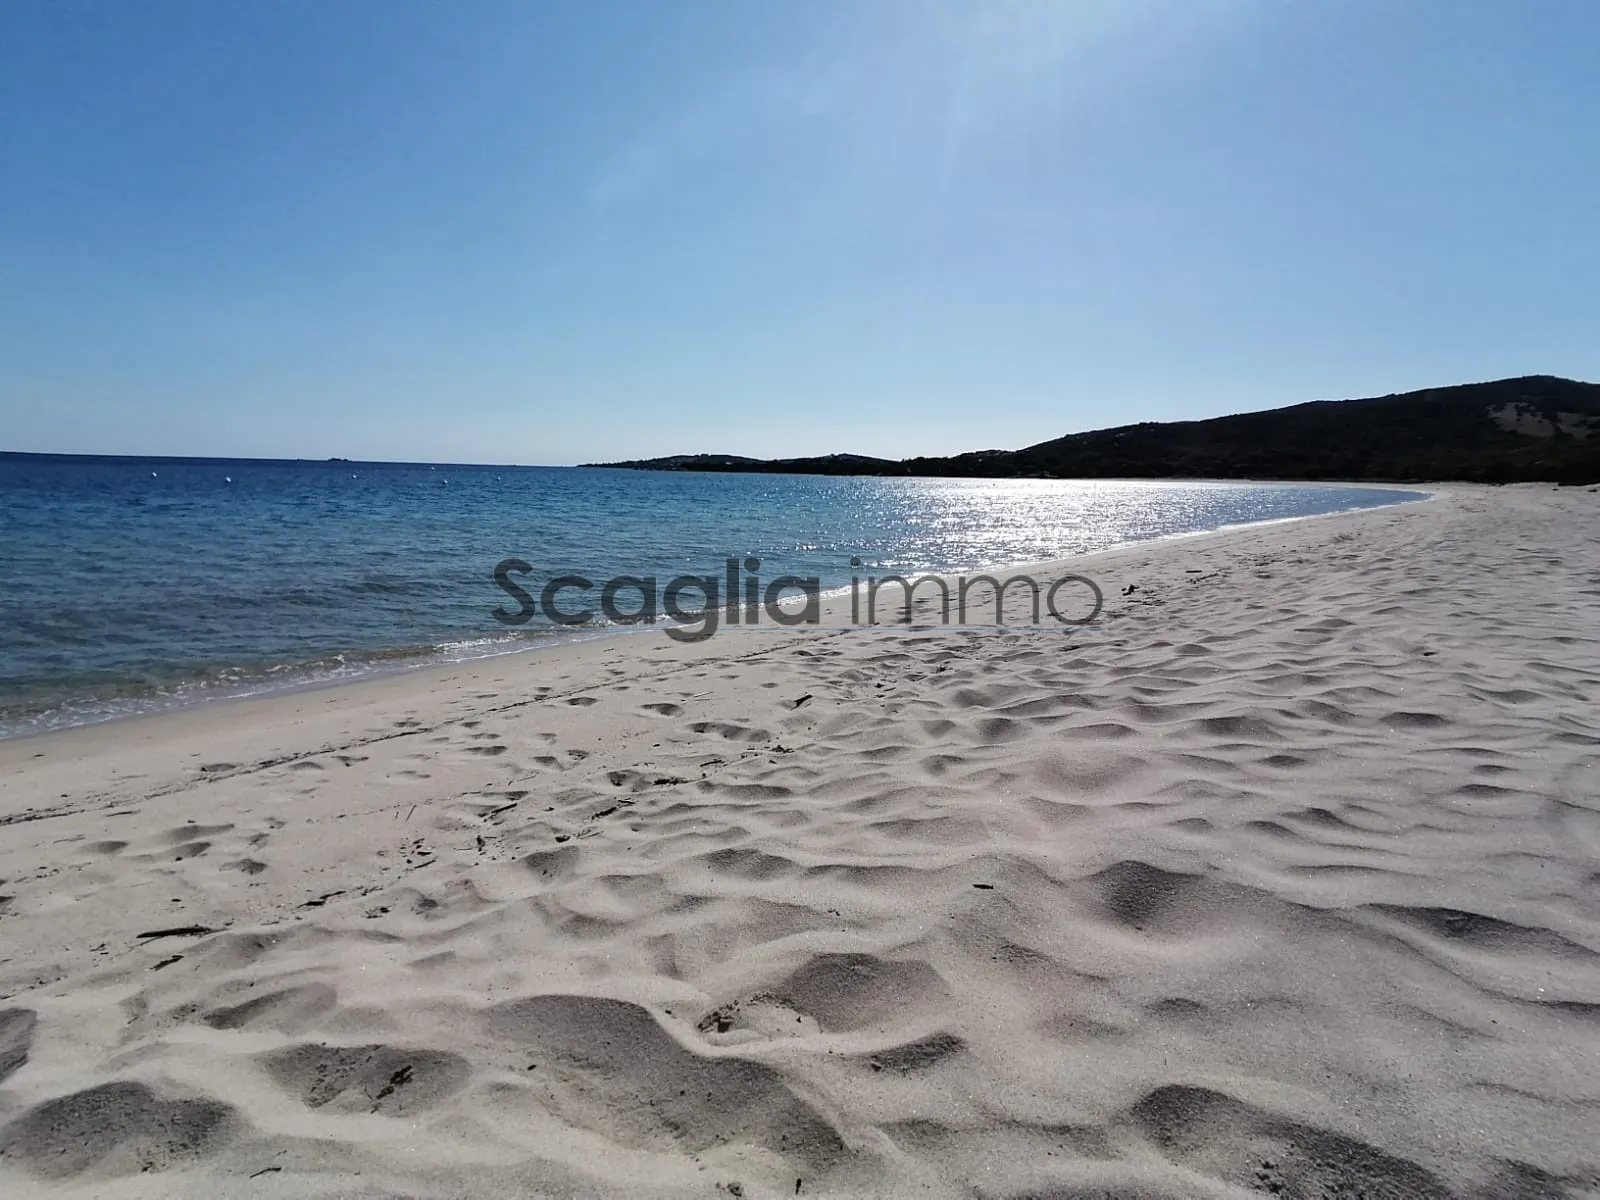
{"type": "Point", "coordinates": [177, 931]}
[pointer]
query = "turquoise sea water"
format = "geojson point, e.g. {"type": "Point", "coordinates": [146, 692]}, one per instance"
{"type": "Point", "coordinates": [133, 584]}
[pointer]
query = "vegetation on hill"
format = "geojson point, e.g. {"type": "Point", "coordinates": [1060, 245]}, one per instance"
{"type": "Point", "coordinates": [1535, 428]}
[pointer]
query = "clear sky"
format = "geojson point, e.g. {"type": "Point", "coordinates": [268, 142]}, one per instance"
{"type": "Point", "coordinates": [500, 230]}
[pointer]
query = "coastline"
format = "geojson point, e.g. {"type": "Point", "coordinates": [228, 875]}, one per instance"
{"type": "Point", "coordinates": [377, 664]}
{"type": "Point", "coordinates": [1283, 876]}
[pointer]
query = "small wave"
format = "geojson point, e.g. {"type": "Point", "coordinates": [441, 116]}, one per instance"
{"type": "Point", "coordinates": [42, 707]}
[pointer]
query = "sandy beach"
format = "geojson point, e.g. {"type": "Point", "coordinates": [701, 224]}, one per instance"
{"type": "Point", "coordinates": [1285, 881]}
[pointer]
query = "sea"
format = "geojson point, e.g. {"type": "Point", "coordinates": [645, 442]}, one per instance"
{"type": "Point", "coordinates": [131, 585]}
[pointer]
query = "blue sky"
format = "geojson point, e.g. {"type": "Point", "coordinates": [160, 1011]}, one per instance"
{"type": "Point", "coordinates": [546, 233]}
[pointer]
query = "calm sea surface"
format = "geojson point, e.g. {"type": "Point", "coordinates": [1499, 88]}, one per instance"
{"type": "Point", "coordinates": [134, 584]}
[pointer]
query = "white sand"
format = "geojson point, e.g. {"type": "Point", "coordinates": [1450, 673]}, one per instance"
{"type": "Point", "coordinates": [1286, 882]}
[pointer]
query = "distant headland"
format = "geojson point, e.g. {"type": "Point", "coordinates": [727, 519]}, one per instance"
{"type": "Point", "coordinates": [1534, 428]}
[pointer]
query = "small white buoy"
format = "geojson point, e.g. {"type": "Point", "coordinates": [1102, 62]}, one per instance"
{"type": "Point", "coordinates": [152, 474]}
{"type": "Point", "coordinates": [227, 479]}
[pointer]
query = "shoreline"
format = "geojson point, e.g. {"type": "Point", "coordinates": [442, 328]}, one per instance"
{"type": "Point", "coordinates": [378, 668]}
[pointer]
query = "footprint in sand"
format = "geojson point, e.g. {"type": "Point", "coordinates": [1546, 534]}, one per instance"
{"type": "Point", "coordinates": [591, 1056]}
{"type": "Point", "coordinates": [16, 1039]}
{"type": "Point", "coordinates": [285, 1010]}
{"type": "Point", "coordinates": [1216, 1135]}
{"type": "Point", "coordinates": [120, 1128]}
{"type": "Point", "coordinates": [391, 1080]}
{"type": "Point", "coordinates": [729, 730]}
{"type": "Point", "coordinates": [833, 993]}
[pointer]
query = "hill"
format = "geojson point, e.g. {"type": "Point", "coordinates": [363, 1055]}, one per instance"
{"type": "Point", "coordinates": [1534, 428]}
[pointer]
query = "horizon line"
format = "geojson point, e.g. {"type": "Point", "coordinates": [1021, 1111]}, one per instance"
{"type": "Point", "coordinates": [620, 463]}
